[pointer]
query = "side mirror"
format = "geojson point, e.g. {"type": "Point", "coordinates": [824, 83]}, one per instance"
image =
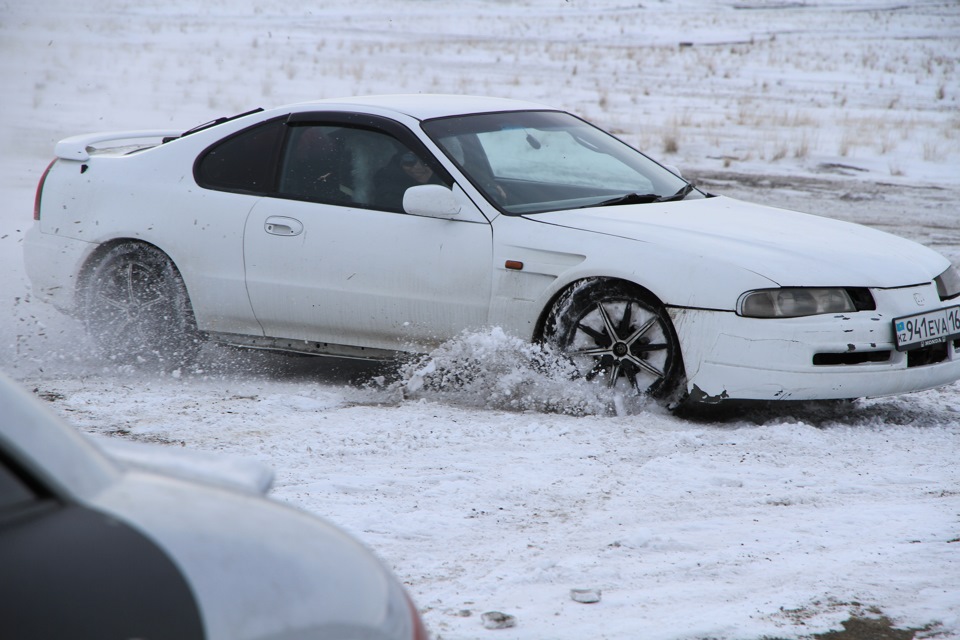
{"type": "Point", "coordinates": [432, 200]}
{"type": "Point", "coordinates": [673, 169]}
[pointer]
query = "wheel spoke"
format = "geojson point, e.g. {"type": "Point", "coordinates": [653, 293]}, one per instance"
{"type": "Point", "coordinates": [598, 336]}
{"type": "Point", "coordinates": [150, 303]}
{"type": "Point", "coordinates": [591, 351]}
{"type": "Point", "coordinates": [607, 322]}
{"type": "Point", "coordinates": [110, 302]}
{"type": "Point", "coordinates": [644, 365]}
{"type": "Point", "coordinates": [614, 374]}
{"type": "Point", "coordinates": [653, 347]}
{"type": "Point", "coordinates": [632, 377]}
{"type": "Point", "coordinates": [128, 282]}
{"type": "Point", "coordinates": [626, 320]}
{"type": "Point", "coordinates": [636, 335]}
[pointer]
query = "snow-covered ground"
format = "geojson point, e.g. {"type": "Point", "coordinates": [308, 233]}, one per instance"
{"type": "Point", "coordinates": [777, 522]}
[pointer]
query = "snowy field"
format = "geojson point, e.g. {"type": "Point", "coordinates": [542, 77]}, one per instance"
{"type": "Point", "coordinates": [769, 522]}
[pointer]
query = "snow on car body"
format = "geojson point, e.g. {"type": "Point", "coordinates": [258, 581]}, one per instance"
{"type": "Point", "coordinates": [93, 549]}
{"type": "Point", "coordinates": [534, 221]}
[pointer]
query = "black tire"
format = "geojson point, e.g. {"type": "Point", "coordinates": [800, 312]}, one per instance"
{"type": "Point", "coordinates": [616, 332]}
{"type": "Point", "coordinates": [137, 310]}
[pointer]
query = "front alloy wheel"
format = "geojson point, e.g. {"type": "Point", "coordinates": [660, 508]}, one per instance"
{"type": "Point", "coordinates": [615, 333]}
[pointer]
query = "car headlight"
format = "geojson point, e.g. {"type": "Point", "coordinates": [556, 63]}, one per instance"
{"type": "Point", "coordinates": [793, 303]}
{"type": "Point", "coordinates": [948, 283]}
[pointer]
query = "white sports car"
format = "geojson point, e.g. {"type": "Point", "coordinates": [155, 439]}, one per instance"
{"type": "Point", "coordinates": [166, 548]}
{"type": "Point", "coordinates": [365, 227]}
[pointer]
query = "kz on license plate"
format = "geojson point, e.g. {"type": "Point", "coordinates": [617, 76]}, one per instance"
{"type": "Point", "coordinates": [913, 332]}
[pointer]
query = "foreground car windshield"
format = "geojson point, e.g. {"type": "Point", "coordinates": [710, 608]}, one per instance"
{"type": "Point", "coordinates": [537, 161]}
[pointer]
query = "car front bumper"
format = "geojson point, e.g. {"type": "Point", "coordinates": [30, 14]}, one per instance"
{"type": "Point", "coordinates": [831, 356]}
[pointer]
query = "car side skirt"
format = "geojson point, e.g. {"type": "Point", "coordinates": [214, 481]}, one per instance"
{"type": "Point", "coordinates": [305, 347]}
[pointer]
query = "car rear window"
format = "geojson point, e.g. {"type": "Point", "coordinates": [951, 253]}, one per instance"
{"type": "Point", "coordinates": [243, 162]}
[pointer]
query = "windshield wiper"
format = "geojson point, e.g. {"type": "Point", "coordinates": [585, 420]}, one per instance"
{"type": "Point", "coordinates": [679, 195]}
{"type": "Point", "coordinates": [627, 198]}
{"type": "Point", "coordinates": [643, 198]}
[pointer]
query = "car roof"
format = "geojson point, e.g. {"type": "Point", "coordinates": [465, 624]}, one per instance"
{"type": "Point", "coordinates": [423, 106]}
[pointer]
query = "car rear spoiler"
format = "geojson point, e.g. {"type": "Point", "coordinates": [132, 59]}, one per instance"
{"type": "Point", "coordinates": [78, 147]}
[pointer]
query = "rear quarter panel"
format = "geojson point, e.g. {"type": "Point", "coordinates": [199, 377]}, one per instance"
{"type": "Point", "coordinates": [151, 196]}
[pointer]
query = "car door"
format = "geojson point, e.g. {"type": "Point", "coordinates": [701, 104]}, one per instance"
{"type": "Point", "coordinates": [334, 259]}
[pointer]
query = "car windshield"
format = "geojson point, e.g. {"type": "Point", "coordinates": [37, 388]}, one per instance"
{"type": "Point", "coordinates": [538, 161]}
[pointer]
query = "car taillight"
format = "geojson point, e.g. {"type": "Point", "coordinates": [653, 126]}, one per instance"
{"type": "Point", "coordinates": [36, 200]}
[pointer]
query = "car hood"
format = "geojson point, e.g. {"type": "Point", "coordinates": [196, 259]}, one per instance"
{"type": "Point", "coordinates": [790, 248]}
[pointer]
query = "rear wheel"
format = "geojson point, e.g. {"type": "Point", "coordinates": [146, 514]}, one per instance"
{"type": "Point", "coordinates": [616, 333]}
{"type": "Point", "coordinates": [136, 308]}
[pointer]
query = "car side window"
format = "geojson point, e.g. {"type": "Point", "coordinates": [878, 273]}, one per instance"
{"type": "Point", "coordinates": [351, 166]}
{"type": "Point", "coordinates": [316, 166]}
{"type": "Point", "coordinates": [244, 162]}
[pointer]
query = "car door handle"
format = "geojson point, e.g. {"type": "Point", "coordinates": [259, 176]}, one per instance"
{"type": "Point", "coordinates": [281, 226]}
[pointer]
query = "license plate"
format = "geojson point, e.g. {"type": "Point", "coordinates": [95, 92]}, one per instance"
{"type": "Point", "coordinates": [922, 329]}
